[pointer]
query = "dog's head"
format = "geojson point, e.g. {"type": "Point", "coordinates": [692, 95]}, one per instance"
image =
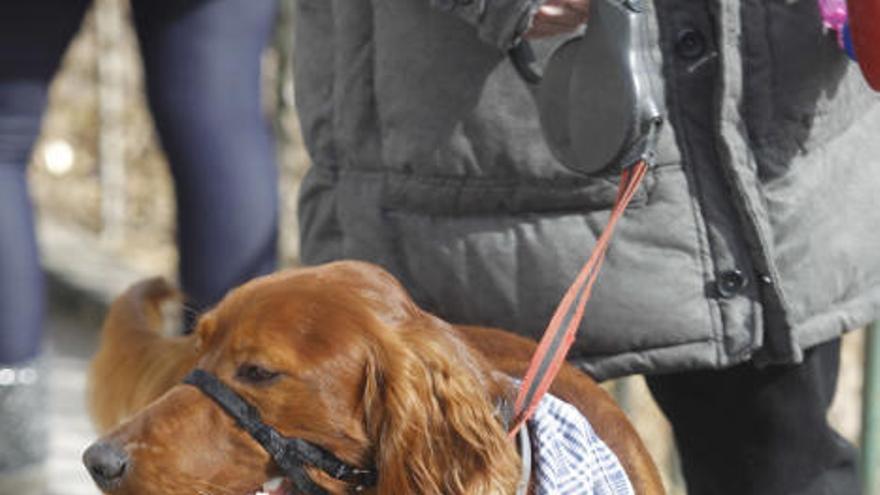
{"type": "Point", "coordinates": [338, 356]}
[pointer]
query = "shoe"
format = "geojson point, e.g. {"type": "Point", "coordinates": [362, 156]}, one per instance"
{"type": "Point", "coordinates": [24, 428]}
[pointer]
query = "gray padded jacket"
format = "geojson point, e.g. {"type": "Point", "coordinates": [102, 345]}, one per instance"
{"type": "Point", "coordinates": [754, 237]}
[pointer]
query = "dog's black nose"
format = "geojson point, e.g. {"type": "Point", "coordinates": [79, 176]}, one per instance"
{"type": "Point", "coordinates": [107, 464]}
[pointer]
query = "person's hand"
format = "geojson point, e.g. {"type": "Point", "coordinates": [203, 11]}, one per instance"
{"type": "Point", "coordinates": [558, 17]}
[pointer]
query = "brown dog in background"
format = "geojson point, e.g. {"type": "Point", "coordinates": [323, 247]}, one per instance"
{"type": "Point", "coordinates": [355, 367]}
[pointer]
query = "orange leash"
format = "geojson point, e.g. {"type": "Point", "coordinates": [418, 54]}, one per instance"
{"type": "Point", "coordinates": [560, 333]}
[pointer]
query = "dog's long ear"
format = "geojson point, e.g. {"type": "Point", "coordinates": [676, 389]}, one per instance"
{"type": "Point", "coordinates": [432, 418]}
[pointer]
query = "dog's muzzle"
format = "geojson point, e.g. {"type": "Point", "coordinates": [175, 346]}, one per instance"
{"type": "Point", "coordinates": [291, 455]}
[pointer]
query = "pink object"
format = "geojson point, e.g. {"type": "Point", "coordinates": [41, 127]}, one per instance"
{"type": "Point", "coordinates": [834, 16]}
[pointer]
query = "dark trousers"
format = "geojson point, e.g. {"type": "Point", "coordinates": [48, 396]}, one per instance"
{"type": "Point", "coordinates": [202, 69]}
{"type": "Point", "coordinates": [748, 430]}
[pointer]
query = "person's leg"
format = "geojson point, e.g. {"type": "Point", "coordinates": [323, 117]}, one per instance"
{"type": "Point", "coordinates": [202, 61]}
{"type": "Point", "coordinates": [33, 38]}
{"type": "Point", "coordinates": [747, 430]}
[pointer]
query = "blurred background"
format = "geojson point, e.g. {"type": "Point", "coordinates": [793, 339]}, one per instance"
{"type": "Point", "coordinates": [105, 206]}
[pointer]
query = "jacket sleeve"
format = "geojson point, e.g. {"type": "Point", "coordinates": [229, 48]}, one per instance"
{"type": "Point", "coordinates": [498, 22]}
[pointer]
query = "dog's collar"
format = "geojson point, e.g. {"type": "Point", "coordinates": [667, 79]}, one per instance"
{"type": "Point", "coordinates": [504, 411]}
{"type": "Point", "coordinates": [525, 455]}
{"type": "Point", "coordinates": [292, 455]}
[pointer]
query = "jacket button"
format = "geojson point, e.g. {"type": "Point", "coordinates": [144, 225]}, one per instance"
{"type": "Point", "coordinates": [690, 44]}
{"type": "Point", "coordinates": [730, 283]}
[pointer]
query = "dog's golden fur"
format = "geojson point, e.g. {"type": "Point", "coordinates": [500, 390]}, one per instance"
{"type": "Point", "coordinates": [364, 373]}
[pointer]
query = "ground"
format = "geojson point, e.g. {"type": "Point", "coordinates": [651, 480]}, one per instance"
{"type": "Point", "coordinates": [70, 345]}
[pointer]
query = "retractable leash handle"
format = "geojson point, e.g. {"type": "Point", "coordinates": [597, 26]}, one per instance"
{"type": "Point", "coordinates": [595, 89]}
{"type": "Point", "coordinates": [600, 113]}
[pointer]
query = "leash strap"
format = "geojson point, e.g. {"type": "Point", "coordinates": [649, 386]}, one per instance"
{"type": "Point", "coordinates": [560, 333]}
{"type": "Point", "coordinates": [290, 454]}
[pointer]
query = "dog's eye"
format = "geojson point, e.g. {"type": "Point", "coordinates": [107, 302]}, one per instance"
{"type": "Point", "coordinates": [255, 375]}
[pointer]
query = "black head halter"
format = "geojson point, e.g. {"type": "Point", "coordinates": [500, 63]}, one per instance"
{"type": "Point", "coordinates": [292, 455]}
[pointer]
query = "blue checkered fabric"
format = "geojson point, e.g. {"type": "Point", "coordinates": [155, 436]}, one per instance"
{"type": "Point", "coordinates": [569, 458]}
